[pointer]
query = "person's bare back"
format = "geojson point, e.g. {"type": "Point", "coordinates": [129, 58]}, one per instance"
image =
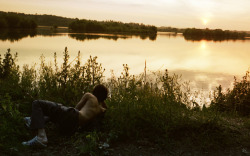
{"type": "Point", "coordinates": [89, 108]}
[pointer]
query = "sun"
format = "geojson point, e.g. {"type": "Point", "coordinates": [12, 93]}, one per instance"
{"type": "Point", "coordinates": [204, 21]}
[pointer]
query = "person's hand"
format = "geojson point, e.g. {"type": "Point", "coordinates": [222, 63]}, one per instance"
{"type": "Point", "coordinates": [103, 110]}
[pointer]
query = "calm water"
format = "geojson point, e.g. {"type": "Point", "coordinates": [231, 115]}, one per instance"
{"type": "Point", "coordinates": [206, 64]}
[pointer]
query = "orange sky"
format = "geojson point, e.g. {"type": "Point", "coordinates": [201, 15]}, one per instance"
{"type": "Point", "coordinates": [224, 14]}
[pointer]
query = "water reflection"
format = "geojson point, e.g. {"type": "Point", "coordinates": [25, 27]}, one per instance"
{"type": "Point", "coordinates": [18, 34]}
{"type": "Point", "coordinates": [199, 79]}
{"type": "Point", "coordinates": [91, 36]}
{"type": "Point", "coordinates": [15, 35]}
{"type": "Point", "coordinates": [150, 36]}
{"type": "Point", "coordinates": [82, 36]}
{"type": "Point", "coordinates": [215, 39]}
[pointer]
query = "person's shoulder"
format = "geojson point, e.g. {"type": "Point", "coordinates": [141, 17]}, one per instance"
{"type": "Point", "coordinates": [89, 95]}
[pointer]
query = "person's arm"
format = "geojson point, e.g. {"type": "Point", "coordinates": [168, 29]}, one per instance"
{"type": "Point", "coordinates": [103, 107]}
{"type": "Point", "coordinates": [83, 101]}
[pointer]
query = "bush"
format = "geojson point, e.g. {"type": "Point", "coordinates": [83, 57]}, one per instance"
{"type": "Point", "coordinates": [11, 121]}
{"type": "Point", "coordinates": [236, 100]}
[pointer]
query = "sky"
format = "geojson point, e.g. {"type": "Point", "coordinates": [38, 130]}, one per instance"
{"type": "Point", "coordinates": [213, 14]}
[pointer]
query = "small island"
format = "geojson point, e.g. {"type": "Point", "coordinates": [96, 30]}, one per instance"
{"type": "Point", "coordinates": [212, 34]}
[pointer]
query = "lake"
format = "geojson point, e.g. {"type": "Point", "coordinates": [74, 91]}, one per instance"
{"type": "Point", "coordinates": [206, 64]}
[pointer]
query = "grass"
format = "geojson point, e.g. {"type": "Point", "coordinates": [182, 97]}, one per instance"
{"type": "Point", "coordinates": [156, 112]}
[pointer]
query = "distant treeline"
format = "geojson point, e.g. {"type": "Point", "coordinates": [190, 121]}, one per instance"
{"type": "Point", "coordinates": [170, 29]}
{"type": "Point", "coordinates": [9, 20]}
{"type": "Point", "coordinates": [17, 20]}
{"type": "Point", "coordinates": [111, 27]}
{"type": "Point", "coordinates": [209, 34]}
{"type": "Point", "coordinates": [41, 20]}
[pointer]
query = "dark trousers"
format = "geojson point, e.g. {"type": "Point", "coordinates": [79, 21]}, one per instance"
{"type": "Point", "coordinates": [67, 118]}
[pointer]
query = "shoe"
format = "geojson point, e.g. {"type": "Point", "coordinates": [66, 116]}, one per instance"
{"type": "Point", "coordinates": [27, 121]}
{"type": "Point", "coordinates": [34, 143]}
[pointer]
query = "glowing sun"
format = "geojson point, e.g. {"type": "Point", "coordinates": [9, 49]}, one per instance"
{"type": "Point", "coordinates": [204, 21]}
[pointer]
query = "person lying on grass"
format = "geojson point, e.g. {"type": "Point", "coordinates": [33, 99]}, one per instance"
{"type": "Point", "coordinates": [69, 119]}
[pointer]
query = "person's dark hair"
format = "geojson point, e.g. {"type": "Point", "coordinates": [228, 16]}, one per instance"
{"type": "Point", "coordinates": [101, 92]}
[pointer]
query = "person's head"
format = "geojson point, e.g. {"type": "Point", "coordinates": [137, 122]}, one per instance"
{"type": "Point", "coordinates": [100, 92]}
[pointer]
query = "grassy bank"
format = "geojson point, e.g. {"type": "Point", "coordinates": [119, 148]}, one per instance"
{"type": "Point", "coordinates": [155, 115]}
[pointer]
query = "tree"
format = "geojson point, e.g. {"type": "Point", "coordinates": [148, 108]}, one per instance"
{"type": "Point", "coordinates": [3, 23]}
{"type": "Point", "coordinates": [13, 21]}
